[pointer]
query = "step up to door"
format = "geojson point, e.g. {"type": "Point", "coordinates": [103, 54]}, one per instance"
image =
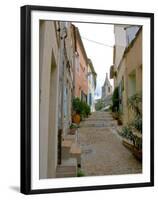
{"type": "Point", "coordinates": [75, 152]}
{"type": "Point", "coordinates": [66, 146]}
{"type": "Point", "coordinates": [67, 143]}
{"type": "Point", "coordinates": [71, 138]}
{"type": "Point", "coordinates": [75, 149]}
{"type": "Point", "coordinates": [68, 168]}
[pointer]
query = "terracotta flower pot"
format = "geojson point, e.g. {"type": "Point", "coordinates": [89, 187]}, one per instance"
{"type": "Point", "coordinates": [137, 153]}
{"type": "Point", "coordinates": [72, 131]}
{"type": "Point", "coordinates": [119, 122]}
{"type": "Point", "coordinates": [76, 118]}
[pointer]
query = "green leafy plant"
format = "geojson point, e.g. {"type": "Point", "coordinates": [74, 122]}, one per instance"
{"type": "Point", "coordinates": [119, 119]}
{"type": "Point", "coordinates": [137, 124]}
{"type": "Point", "coordinates": [81, 107]}
{"type": "Point", "coordinates": [80, 173]}
{"type": "Point", "coordinates": [115, 100]}
{"type": "Point", "coordinates": [126, 132]}
{"type": "Point", "coordinates": [130, 131]}
{"type": "Point", "coordinates": [77, 105]}
{"type": "Point", "coordinates": [73, 125]}
{"type": "Point", "coordinates": [85, 109]}
{"type": "Point", "coordinates": [135, 104]}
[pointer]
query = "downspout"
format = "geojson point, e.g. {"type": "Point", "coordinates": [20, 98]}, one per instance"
{"type": "Point", "coordinates": [63, 35]}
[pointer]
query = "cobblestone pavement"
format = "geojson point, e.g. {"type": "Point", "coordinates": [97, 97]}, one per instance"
{"type": "Point", "coordinates": [102, 150]}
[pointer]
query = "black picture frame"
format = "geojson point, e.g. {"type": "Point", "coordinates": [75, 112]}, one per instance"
{"type": "Point", "coordinates": [26, 98]}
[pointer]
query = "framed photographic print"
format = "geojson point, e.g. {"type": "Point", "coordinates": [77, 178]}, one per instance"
{"type": "Point", "coordinates": [87, 99]}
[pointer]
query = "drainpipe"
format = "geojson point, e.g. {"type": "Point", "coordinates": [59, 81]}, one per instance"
{"type": "Point", "coordinates": [63, 35]}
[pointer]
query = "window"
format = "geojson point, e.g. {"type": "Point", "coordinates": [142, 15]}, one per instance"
{"type": "Point", "coordinates": [132, 84]}
{"type": "Point", "coordinates": [77, 63]}
{"type": "Point", "coordinates": [90, 99]}
{"type": "Point", "coordinates": [122, 84]}
{"type": "Point", "coordinates": [83, 97]}
{"type": "Point", "coordinates": [109, 89]}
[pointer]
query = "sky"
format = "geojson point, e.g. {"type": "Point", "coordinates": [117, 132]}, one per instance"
{"type": "Point", "coordinates": [98, 40]}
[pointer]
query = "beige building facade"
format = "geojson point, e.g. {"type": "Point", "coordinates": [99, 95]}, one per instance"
{"type": "Point", "coordinates": [63, 75]}
{"type": "Point", "coordinates": [48, 99]}
{"type": "Point", "coordinates": [81, 68]}
{"type": "Point", "coordinates": [92, 76]}
{"type": "Point", "coordinates": [56, 58]}
{"type": "Point", "coordinates": [127, 68]}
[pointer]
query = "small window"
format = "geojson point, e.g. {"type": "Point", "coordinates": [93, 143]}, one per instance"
{"type": "Point", "coordinates": [109, 89]}
{"type": "Point", "coordinates": [122, 84]}
{"type": "Point", "coordinates": [90, 99]}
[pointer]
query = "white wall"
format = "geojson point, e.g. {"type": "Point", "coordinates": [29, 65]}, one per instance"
{"type": "Point", "coordinates": [120, 42]}
{"type": "Point", "coordinates": [10, 101]}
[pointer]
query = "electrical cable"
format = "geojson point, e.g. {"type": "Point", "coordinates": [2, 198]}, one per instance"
{"type": "Point", "coordinates": [99, 43]}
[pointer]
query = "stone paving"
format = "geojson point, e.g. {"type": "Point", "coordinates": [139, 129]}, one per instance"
{"type": "Point", "coordinates": [102, 150]}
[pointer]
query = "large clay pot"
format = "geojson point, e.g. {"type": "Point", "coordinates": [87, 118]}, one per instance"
{"type": "Point", "coordinates": [137, 153]}
{"type": "Point", "coordinates": [76, 118]}
{"type": "Point", "coordinates": [119, 122]}
{"type": "Point", "coordinates": [72, 131]}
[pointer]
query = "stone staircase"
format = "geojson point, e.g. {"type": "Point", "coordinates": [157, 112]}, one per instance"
{"type": "Point", "coordinates": [71, 156]}
{"type": "Point", "coordinates": [101, 120]}
{"type": "Point", "coordinates": [68, 168]}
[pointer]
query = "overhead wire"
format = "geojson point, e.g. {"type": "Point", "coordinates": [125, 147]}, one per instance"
{"type": "Point", "coordinates": [99, 43]}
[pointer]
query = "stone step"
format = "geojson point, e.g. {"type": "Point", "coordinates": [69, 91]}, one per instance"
{"type": "Point", "coordinates": [70, 149]}
{"type": "Point", "coordinates": [75, 149]}
{"type": "Point", "coordinates": [65, 150]}
{"type": "Point", "coordinates": [69, 137]}
{"type": "Point", "coordinates": [68, 168]}
{"type": "Point", "coordinates": [100, 114]}
{"type": "Point", "coordinates": [75, 152]}
{"type": "Point", "coordinates": [69, 162]}
{"type": "Point", "coordinates": [100, 119]}
{"type": "Point", "coordinates": [112, 124]}
{"type": "Point", "coordinates": [67, 143]}
{"type": "Point", "coordinates": [103, 122]}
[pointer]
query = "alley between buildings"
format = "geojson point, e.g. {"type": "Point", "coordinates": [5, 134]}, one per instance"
{"type": "Point", "coordinates": [102, 149]}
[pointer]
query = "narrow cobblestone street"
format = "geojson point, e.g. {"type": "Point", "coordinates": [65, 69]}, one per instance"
{"type": "Point", "coordinates": [102, 150]}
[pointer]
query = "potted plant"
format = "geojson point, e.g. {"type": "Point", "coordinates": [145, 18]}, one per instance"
{"type": "Point", "coordinates": [77, 110]}
{"type": "Point", "coordinates": [80, 110]}
{"type": "Point", "coordinates": [80, 173]}
{"type": "Point", "coordinates": [85, 109]}
{"type": "Point", "coordinates": [135, 104]}
{"type": "Point", "coordinates": [119, 118]}
{"type": "Point", "coordinates": [115, 104]}
{"type": "Point", "coordinates": [73, 128]}
{"type": "Point", "coordinates": [133, 131]}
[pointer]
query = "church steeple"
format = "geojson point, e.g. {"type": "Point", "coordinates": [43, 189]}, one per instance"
{"type": "Point", "coordinates": [106, 77]}
{"type": "Point", "coordinates": [106, 88]}
{"type": "Point", "coordinates": [106, 80]}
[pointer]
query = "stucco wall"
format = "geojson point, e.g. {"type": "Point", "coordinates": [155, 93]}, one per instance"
{"type": "Point", "coordinates": [48, 99]}
{"type": "Point", "coordinates": [81, 79]}
{"type": "Point", "coordinates": [131, 65]}
{"type": "Point", "coordinates": [91, 89]}
{"type": "Point", "coordinates": [134, 61]}
{"type": "Point", "coordinates": [120, 43]}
